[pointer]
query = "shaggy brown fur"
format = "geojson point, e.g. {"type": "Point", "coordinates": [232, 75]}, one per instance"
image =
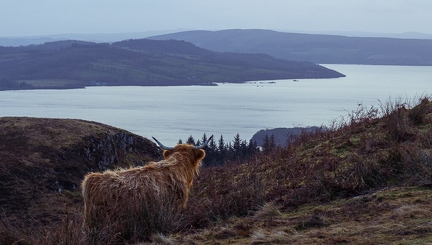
{"type": "Point", "coordinates": [115, 196]}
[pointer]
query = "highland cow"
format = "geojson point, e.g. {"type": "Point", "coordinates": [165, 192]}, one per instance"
{"type": "Point", "coordinates": [136, 195]}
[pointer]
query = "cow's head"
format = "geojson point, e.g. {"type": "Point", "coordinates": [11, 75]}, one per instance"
{"type": "Point", "coordinates": [196, 152]}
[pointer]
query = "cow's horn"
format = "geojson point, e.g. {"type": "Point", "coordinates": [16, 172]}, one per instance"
{"type": "Point", "coordinates": [204, 144]}
{"type": "Point", "coordinates": [162, 146]}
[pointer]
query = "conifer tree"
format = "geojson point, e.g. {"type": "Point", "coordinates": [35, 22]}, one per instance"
{"type": "Point", "coordinates": [252, 148]}
{"type": "Point", "coordinates": [266, 144]}
{"type": "Point", "coordinates": [221, 146]}
{"type": "Point", "coordinates": [212, 145]}
{"type": "Point", "coordinates": [204, 138]}
{"type": "Point", "coordinates": [190, 140]}
{"type": "Point", "coordinates": [269, 143]}
{"type": "Point", "coordinates": [221, 151]}
{"type": "Point", "coordinates": [237, 144]}
{"type": "Point", "coordinates": [272, 142]}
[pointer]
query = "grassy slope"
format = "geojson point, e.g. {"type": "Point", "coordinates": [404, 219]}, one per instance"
{"type": "Point", "coordinates": [42, 162]}
{"type": "Point", "coordinates": [397, 215]}
{"type": "Point", "coordinates": [365, 181]}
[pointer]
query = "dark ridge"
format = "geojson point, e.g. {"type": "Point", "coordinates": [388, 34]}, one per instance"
{"type": "Point", "coordinates": [320, 49]}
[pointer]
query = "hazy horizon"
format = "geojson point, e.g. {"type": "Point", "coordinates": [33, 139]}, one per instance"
{"type": "Point", "coordinates": [115, 37]}
{"type": "Point", "coordinates": [23, 18]}
{"type": "Point", "coordinates": [161, 32]}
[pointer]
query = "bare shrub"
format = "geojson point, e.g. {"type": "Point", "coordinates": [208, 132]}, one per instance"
{"type": "Point", "coordinates": [417, 165]}
{"type": "Point", "coordinates": [418, 114]}
{"type": "Point", "coordinates": [398, 124]}
{"type": "Point", "coordinates": [363, 114]}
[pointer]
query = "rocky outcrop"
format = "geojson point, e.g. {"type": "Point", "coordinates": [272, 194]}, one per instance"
{"type": "Point", "coordinates": [118, 149]}
{"type": "Point", "coordinates": [280, 136]}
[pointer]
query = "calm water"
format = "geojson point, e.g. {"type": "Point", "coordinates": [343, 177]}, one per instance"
{"type": "Point", "coordinates": [171, 113]}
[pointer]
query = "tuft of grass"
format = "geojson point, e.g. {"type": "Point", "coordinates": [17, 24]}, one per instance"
{"type": "Point", "coordinates": [258, 237]}
{"type": "Point", "coordinates": [161, 239]}
{"type": "Point", "coordinates": [315, 221]}
{"type": "Point", "coordinates": [267, 211]}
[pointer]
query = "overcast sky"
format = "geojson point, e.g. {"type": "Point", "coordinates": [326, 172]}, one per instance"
{"type": "Point", "coordinates": [46, 17]}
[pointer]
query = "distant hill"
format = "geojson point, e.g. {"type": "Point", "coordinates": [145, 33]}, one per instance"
{"type": "Point", "coordinates": [281, 135]}
{"type": "Point", "coordinates": [116, 37]}
{"type": "Point", "coordinates": [321, 49]}
{"type": "Point", "coordinates": [143, 62]}
{"type": "Point", "coordinates": [16, 41]}
{"type": "Point", "coordinates": [24, 41]}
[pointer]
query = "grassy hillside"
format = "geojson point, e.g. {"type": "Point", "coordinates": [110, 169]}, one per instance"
{"type": "Point", "coordinates": [363, 172]}
{"type": "Point", "coordinates": [366, 180]}
{"type": "Point", "coordinates": [42, 162]}
{"type": "Point", "coordinates": [74, 64]}
{"type": "Point", "coordinates": [321, 49]}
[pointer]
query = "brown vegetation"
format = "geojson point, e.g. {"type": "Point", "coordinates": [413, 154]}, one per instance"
{"type": "Point", "coordinates": [364, 180]}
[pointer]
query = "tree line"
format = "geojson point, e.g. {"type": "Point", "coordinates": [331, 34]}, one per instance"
{"type": "Point", "coordinates": [220, 152]}
{"type": "Point", "coordinates": [6, 84]}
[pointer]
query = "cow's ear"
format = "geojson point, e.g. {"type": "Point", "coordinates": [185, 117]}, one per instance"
{"type": "Point", "coordinates": [199, 154]}
{"type": "Point", "coordinates": [167, 153]}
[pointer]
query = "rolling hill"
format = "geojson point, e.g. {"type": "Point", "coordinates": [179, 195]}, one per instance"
{"type": "Point", "coordinates": [143, 62]}
{"type": "Point", "coordinates": [42, 162]}
{"type": "Point", "coordinates": [320, 49]}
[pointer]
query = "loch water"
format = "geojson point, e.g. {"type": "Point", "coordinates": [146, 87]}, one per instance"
{"type": "Point", "coordinates": [173, 113]}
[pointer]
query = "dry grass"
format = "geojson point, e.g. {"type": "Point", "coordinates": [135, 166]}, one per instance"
{"type": "Point", "coordinates": [268, 211]}
{"type": "Point", "coordinates": [399, 215]}
{"type": "Point", "coordinates": [368, 151]}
